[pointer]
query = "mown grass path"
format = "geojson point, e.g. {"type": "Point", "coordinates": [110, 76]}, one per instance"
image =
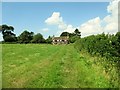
{"type": "Point", "coordinates": [49, 66]}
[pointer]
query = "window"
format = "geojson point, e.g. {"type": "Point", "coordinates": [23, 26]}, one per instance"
{"type": "Point", "coordinates": [55, 40]}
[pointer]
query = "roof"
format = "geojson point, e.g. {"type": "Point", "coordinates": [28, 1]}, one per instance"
{"type": "Point", "coordinates": [63, 38]}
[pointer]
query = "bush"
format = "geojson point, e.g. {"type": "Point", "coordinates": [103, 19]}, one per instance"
{"type": "Point", "coordinates": [73, 39]}
{"type": "Point", "coordinates": [107, 46]}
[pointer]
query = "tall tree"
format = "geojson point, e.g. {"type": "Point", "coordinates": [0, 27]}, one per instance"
{"type": "Point", "coordinates": [77, 32]}
{"type": "Point", "coordinates": [49, 40]}
{"type": "Point", "coordinates": [25, 37]}
{"type": "Point", "coordinates": [8, 34]}
{"type": "Point", "coordinates": [38, 38]}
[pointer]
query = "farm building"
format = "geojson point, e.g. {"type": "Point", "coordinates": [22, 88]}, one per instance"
{"type": "Point", "coordinates": [60, 40]}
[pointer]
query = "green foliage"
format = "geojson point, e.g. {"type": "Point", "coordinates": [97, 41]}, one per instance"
{"type": "Point", "coordinates": [77, 32]}
{"type": "Point", "coordinates": [8, 34]}
{"type": "Point", "coordinates": [49, 40]}
{"type": "Point", "coordinates": [38, 38]}
{"type": "Point", "coordinates": [73, 39]}
{"type": "Point", "coordinates": [64, 34]}
{"type": "Point", "coordinates": [25, 37]}
{"type": "Point", "coordinates": [10, 38]}
{"type": "Point", "coordinates": [104, 45]}
{"type": "Point", "coordinates": [72, 36]}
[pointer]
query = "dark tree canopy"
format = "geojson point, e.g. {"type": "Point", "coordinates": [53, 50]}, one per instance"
{"type": "Point", "coordinates": [72, 36]}
{"type": "Point", "coordinates": [8, 34]}
{"type": "Point", "coordinates": [64, 34]}
{"type": "Point", "coordinates": [49, 40]}
{"type": "Point", "coordinates": [38, 38]}
{"type": "Point", "coordinates": [25, 37]}
{"type": "Point", "coordinates": [77, 32]}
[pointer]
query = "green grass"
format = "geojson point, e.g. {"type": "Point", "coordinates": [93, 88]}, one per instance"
{"type": "Point", "coordinates": [49, 66]}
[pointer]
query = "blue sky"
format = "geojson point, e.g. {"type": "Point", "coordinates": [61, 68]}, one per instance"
{"type": "Point", "coordinates": [32, 16]}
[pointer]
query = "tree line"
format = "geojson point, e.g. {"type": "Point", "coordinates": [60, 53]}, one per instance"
{"type": "Point", "coordinates": [30, 37]}
{"type": "Point", "coordinates": [24, 37]}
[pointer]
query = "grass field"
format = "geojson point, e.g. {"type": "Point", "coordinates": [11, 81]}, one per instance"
{"type": "Point", "coordinates": [49, 66]}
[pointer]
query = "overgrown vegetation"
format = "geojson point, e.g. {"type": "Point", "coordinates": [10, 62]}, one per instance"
{"type": "Point", "coordinates": [108, 48]}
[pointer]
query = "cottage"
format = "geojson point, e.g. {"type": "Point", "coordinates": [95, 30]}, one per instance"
{"type": "Point", "coordinates": [60, 40]}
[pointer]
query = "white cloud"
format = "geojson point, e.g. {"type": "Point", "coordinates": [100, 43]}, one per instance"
{"type": "Point", "coordinates": [1, 39]}
{"type": "Point", "coordinates": [109, 24]}
{"type": "Point", "coordinates": [112, 19]}
{"type": "Point", "coordinates": [62, 26]}
{"type": "Point", "coordinates": [69, 29]}
{"type": "Point", "coordinates": [45, 29]}
{"type": "Point", "coordinates": [113, 7]}
{"type": "Point", "coordinates": [111, 27]}
{"type": "Point", "coordinates": [55, 19]}
{"type": "Point", "coordinates": [58, 33]}
{"type": "Point", "coordinates": [92, 26]}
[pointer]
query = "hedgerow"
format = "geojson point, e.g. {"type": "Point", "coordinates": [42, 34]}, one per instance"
{"type": "Point", "coordinates": [106, 46]}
